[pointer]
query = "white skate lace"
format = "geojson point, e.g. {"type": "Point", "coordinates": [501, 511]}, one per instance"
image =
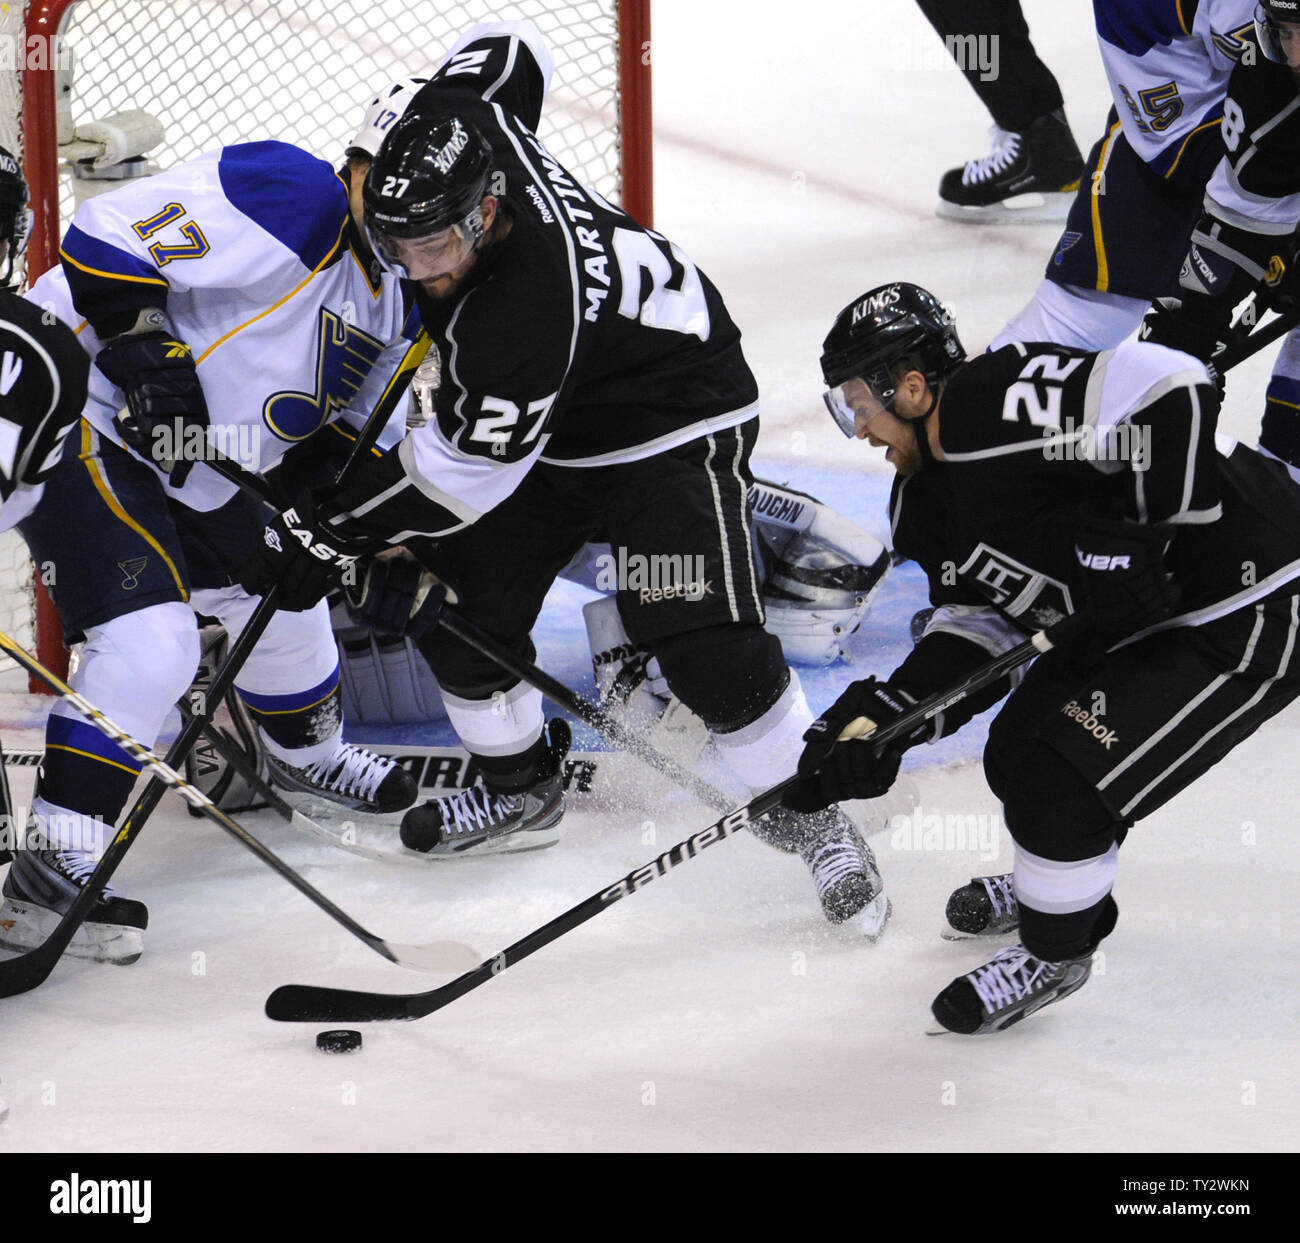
{"type": "Point", "coordinates": [77, 867]}
{"type": "Point", "coordinates": [1006, 147]}
{"type": "Point", "coordinates": [833, 862]}
{"type": "Point", "coordinates": [472, 810]}
{"type": "Point", "coordinates": [1011, 975]}
{"type": "Point", "coordinates": [352, 770]}
{"type": "Point", "coordinates": [1000, 893]}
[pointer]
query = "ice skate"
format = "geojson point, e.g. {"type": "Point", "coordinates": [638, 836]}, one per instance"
{"type": "Point", "coordinates": [987, 907]}
{"type": "Point", "coordinates": [1027, 178]}
{"type": "Point", "coordinates": [39, 889]}
{"type": "Point", "coordinates": [842, 865]}
{"type": "Point", "coordinates": [480, 822]}
{"type": "Point", "coordinates": [1009, 987]}
{"type": "Point", "coordinates": [352, 778]}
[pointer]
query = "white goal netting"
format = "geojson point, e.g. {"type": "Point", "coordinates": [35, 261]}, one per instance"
{"type": "Point", "coordinates": [214, 72]}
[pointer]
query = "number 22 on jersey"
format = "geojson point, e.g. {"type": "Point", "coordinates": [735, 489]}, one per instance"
{"type": "Point", "coordinates": [1036, 395]}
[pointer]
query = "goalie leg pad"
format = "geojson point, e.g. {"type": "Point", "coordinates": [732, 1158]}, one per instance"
{"type": "Point", "coordinates": [205, 767]}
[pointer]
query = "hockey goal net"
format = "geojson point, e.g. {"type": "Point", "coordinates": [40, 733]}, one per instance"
{"type": "Point", "coordinates": [214, 72]}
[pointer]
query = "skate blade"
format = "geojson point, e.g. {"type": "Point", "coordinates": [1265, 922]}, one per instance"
{"type": "Point", "coordinates": [372, 835]}
{"type": "Point", "coordinates": [1033, 208]}
{"type": "Point", "coordinates": [949, 933]}
{"type": "Point", "coordinates": [508, 844]}
{"type": "Point", "coordinates": [25, 926]}
{"type": "Point", "coordinates": [870, 921]}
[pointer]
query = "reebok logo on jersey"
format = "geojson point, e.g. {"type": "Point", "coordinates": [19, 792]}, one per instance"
{"type": "Point", "coordinates": [1101, 561]}
{"type": "Point", "coordinates": [697, 589]}
{"type": "Point", "coordinates": [540, 203]}
{"type": "Point", "coordinates": [177, 349]}
{"type": "Point", "coordinates": [1099, 731]}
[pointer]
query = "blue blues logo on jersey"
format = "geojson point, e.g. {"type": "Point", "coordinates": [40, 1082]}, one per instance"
{"type": "Point", "coordinates": [344, 357]}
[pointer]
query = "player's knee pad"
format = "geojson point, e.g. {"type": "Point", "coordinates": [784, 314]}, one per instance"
{"type": "Point", "coordinates": [727, 675]}
{"type": "Point", "coordinates": [1050, 808]}
{"type": "Point", "coordinates": [135, 667]}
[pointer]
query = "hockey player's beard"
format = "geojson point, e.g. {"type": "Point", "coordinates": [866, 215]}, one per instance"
{"type": "Point", "coordinates": [449, 283]}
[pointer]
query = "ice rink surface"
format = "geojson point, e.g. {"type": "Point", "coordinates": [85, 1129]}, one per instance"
{"type": "Point", "coordinates": [797, 158]}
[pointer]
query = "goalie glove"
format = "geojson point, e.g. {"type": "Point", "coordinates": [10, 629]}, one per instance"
{"type": "Point", "coordinates": [396, 595]}
{"type": "Point", "coordinates": [305, 555]}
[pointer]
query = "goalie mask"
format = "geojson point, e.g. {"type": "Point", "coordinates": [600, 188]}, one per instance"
{"type": "Point", "coordinates": [819, 572]}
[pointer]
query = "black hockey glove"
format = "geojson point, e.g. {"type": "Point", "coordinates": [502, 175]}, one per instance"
{"type": "Point", "coordinates": [1191, 325]}
{"type": "Point", "coordinates": [157, 375]}
{"type": "Point", "coordinates": [303, 554]}
{"type": "Point", "coordinates": [1126, 585]}
{"type": "Point", "coordinates": [1224, 265]}
{"type": "Point", "coordinates": [830, 770]}
{"type": "Point", "coordinates": [397, 595]}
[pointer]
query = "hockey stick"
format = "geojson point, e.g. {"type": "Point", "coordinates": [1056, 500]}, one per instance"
{"type": "Point", "coordinates": [27, 971]}
{"type": "Point", "coordinates": [1240, 350]}
{"type": "Point", "coordinates": [555, 690]}
{"type": "Point", "coordinates": [305, 1003]}
{"type": "Point", "coordinates": [439, 956]}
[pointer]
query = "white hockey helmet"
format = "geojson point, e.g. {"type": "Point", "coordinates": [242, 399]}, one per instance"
{"type": "Point", "coordinates": [381, 112]}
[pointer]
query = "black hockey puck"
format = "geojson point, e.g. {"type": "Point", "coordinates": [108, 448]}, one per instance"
{"type": "Point", "coordinates": [341, 1041]}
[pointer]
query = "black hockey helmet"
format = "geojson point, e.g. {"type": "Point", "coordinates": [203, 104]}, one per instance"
{"type": "Point", "coordinates": [886, 326]}
{"type": "Point", "coordinates": [1269, 17]}
{"type": "Point", "coordinates": [15, 218]}
{"type": "Point", "coordinates": [430, 173]}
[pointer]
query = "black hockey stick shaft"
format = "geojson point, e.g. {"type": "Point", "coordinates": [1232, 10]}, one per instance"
{"type": "Point", "coordinates": [582, 708]}
{"type": "Point", "coordinates": [29, 970]}
{"type": "Point", "coordinates": [305, 1003]}
{"type": "Point", "coordinates": [1240, 350]}
{"type": "Point", "coordinates": [586, 711]}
